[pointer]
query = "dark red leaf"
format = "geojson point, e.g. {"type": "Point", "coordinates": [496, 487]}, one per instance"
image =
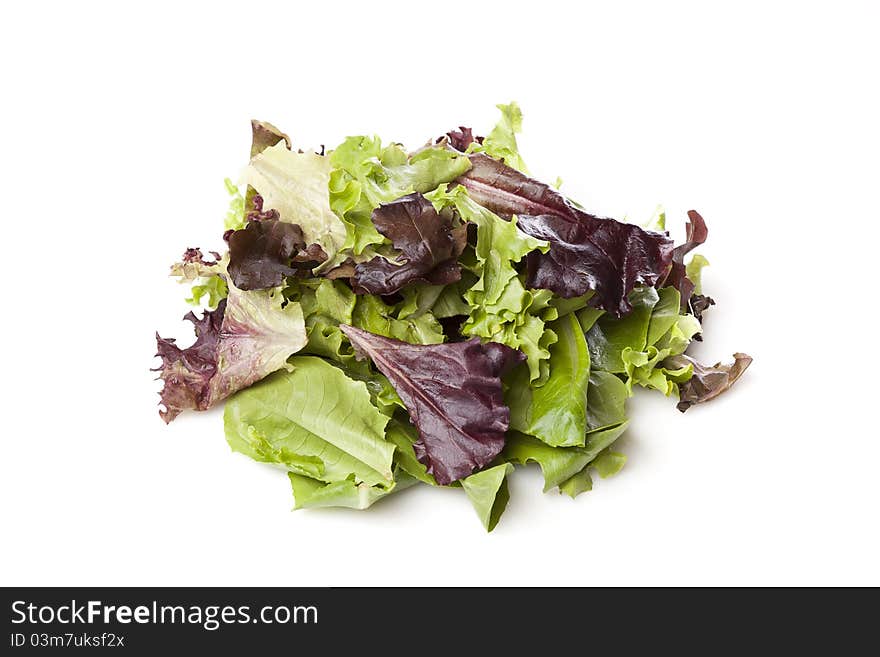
{"type": "Point", "coordinates": [428, 244]}
{"type": "Point", "coordinates": [265, 251]}
{"type": "Point", "coordinates": [699, 303]}
{"type": "Point", "coordinates": [453, 394]}
{"type": "Point", "coordinates": [677, 278]}
{"type": "Point", "coordinates": [462, 138]}
{"type": "Point", "coordinates": [187, 372]}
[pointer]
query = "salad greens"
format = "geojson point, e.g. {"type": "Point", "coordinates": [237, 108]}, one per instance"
{"type": "Point", "coordinates": [383, 318]}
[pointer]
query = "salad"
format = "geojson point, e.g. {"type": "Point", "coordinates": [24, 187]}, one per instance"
{"type": "Point", "coordinates": [381, 318]}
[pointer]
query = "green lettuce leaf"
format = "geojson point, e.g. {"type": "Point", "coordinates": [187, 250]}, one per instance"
{"type": "Point", "coordinates": [578, 483]}
{"type": "Point", "coordinates": [404, 436]}
{"type": "Point", "coordinates": [374, 315]}
{"type": "Point", "coordinates": [609, 463]}
{"type": "Point", "coordinates": [309, 493]}
{"type": "Point", "coordinates": [212, 287]}
{"type": "Point", "coordinates": [664, 315]}
{"type": "Point", "coordinates": [500, 143]}
{"type": "Point", "coordinates": [636, 345]}
{"type": "Point", "coordinates": [645, 369]}
{"type": "Point", "coordinates": [442, 301]}
{"type": "Point", "coordinates": [694, 271]}
{"type": "Point", "coordinates": [556, 412]}
{"type": "Point", "coordinates": [488, 493]}
{"type": "Point", "coordinates": [559, 464]}
{"type": "Point", "coordinates": [235, 215]}
{"type": "Point", "coordinates": [313, 414]}
{"type": "Point", "coordinates": [297, 186]}
{"type": "Point", "coordinates": [606, 401]}
{"type": "Point", "coordinates": [326, 304]}
{"type": "Point", "coordinates": [609, 336]}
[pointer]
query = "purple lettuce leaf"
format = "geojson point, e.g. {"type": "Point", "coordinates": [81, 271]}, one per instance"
{"type": "Point", "coordinates": [677, 277]}
{"type": "Point", "coordinates": [267, 250]}
{"type": "Point", "coordinates": [586, 252]}
{"type": "Point", "coordinates": [428, 243]}
{"type": "Point", "coordinates": [187, 371]}
{"type": "Point", "coordinates": [246, 338]}
{"type": "Point", "coordinates": [462, 138]}
{"type": "Point", "coordinates": [699, 303]}
{"type": "Point", "coordinates": [453, 394]}
{"type": "Point", "coordinates": [707, 381]}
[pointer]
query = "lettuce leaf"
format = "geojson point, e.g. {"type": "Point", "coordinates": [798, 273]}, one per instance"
{"type": "Point", "coordinates": [453, 394]}
{"type": "Point", "coordinates": [609, 336]}
{"type": "Point", "coordinates": [586, 252]}
{"type": "Point", "coordinates": [578, 483]}
{"type": "Point", "coordinates": [488, 493]}
{"type": "Point", "coordinates": [296, 186]}
{"type": "Point", "coordinates": [637, 345]}
{"type": "Point", "coordinates": [428, 244]}
{"type": "Point", "coordinates": [678, 275]}
{"type": "Point", "coordinates": [313, 414]}
{"type": "Point", "coordinates": [404, 437]}
{"type": "Point", "coordinates": [213, 287]}
{"type": "Point", "coordinates": [609, 463]}
{"type": "Point", "coordinates": [375, 316]}
{"type": "Point", "coordinates": [699, 302]}
{"type": "Point", "coordinates": [500, 143]}
{"type": "Point", "coordinates": [707, 382]}
{"type": "Point", "coordinates": [249, 336]}
{"type": "Point", "coordinates": [309, 493]}
{"type": "Point", "coordinates": [462, 138]}
{"type": "Point", "coordinates": [556, 412]}
{"type": "Point", "coordinates": [443, 301]}
{"type": "Point", "coordinates": [265, 135]}
{"type": "Point", "coordinates": [234, 219]}
{"type": "Point", "coordinates": [266, 251]}
{"type": "Point", "coordinates": [559, 464]}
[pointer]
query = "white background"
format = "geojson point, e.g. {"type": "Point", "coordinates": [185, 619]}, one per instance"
{"type": "Point", "coordinates": [119, 125]}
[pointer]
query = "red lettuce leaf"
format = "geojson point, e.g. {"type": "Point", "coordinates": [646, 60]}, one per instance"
{"type": "Point", "coordinates": [707, 382]}
{"type": "Point", "coordinates": [186, 372]}
{"type": "Point", "coordinates": [699, 303]}
{"type": "Point", "coordinates": [586, 252]}
{"type": "Point", "coordinates": [453, 394]}
{"type": "Point", "coordinates": [677, 278]}
{"type": "Point", "coordinates": [246, 338]}
{"type": "Point", "coordinates": [267, 250]}
{"type": "Point", "coordinates": [428, 244]}
{"type": "Point", "coordinates": [462, 138]}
